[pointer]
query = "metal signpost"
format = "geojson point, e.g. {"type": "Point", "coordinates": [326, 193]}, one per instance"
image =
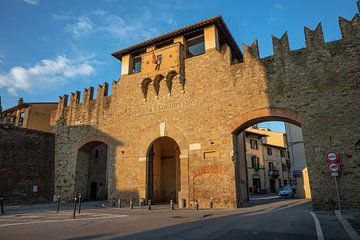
{"type": "Point", "coordinates": [334, 168]}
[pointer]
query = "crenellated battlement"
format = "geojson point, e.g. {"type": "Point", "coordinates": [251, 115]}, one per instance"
{"type": "Point", "coordinates": [72, 109]}
{"type": "Point", "coordinates": [251, 51]}
{"type": "Point", "coordinates": [280, 45]}
{"type": "Point", "coordinates": [314, 39]}
{"type": "Point", "coordinates": [88, 94]}
{"type": "Point", "coordinates": [150, 83]}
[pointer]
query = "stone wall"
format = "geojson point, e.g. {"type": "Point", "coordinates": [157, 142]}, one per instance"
{"type": "Point", "coordinates": [316, 88]}
{"type": "Point", "coordinates": [26, 165]}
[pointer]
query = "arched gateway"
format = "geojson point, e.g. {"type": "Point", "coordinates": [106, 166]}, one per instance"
{"type": "Point", "coordinates": [163, 170]}
{"type": "Point", "coordinates": [184, 109]}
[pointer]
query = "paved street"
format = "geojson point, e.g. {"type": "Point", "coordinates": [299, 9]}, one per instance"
{"type": "Point", "coordinates": [272, 219]}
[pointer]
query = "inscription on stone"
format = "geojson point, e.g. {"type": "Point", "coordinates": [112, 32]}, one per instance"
{"type": "Point", "coordinates": [164, 107]}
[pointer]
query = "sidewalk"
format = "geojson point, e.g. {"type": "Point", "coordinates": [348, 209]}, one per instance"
{"type": "Point", "coordinates": [353, 218]}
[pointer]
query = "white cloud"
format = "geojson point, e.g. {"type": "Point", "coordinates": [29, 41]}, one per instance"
{"type": "Point", "coordinates": [114, 26]}
{"type": "Point", "coordinates": [280, 6]}
{"type": "Point", "coordinates": [81, 27]}
{"type": "Point", "coordinates": [47, 74]}
{"type": "Point", "coordinates": [32, 2]}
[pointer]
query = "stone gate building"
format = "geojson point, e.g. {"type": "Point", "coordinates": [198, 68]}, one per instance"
{"type": "Point", "coordinates": [172, 127]}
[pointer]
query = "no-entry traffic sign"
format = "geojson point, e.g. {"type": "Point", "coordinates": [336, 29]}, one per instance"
{"type": "Point", "coordinates": [333, 167]}
{"type": "Point", "coordinates": [332, 156]}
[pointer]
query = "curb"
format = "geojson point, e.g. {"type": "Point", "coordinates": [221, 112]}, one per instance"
{"type": "Point", "coordinates": [352, 234]}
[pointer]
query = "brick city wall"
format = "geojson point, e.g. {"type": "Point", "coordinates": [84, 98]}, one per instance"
{"type": "Point", "coordinates": [26, 162]}
{"type": "Point", "coordinates": [316, 87]}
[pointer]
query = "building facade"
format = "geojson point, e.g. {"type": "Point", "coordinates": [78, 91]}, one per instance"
{"type": "Point", "coordinates": [297, 158]}
{"type": "Point", "coordinates": [173, 125]}
{"type": "Point", "coordinates": [267, 164]}
{"type": "Point", "coordinates": [32, 115]}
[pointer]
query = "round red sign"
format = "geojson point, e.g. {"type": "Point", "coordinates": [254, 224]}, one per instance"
{"type": "Point", "coordinates": [332, 156]}
{"type": "Point", "coordinates": [333, 167]}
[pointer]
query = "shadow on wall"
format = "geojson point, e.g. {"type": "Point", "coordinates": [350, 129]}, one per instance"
{"type": "Point", "coordinates": [87, 161]}
{"type": "Point", "coordinates": [306, 81]}
{"type": "Point", "coordinates": [26, 165]}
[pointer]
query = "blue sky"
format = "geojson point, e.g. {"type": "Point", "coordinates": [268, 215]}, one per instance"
{"type": "Point", "coordinates": [48, 47]}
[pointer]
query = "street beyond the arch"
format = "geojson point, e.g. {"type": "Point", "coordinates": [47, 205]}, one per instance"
{"type": "Point", "coordinates": [265, 218]}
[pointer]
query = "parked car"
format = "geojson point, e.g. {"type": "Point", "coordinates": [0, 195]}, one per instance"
{"type": "Point", "coordinates": [287, 191]}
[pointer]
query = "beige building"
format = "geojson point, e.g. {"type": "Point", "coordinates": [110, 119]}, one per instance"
{"type": "Point", "coordinates": [297, 157]}
{"type": "Point", "coordinates": [267, 165]}
{"type": "Point", "coordinates": [32, 115]}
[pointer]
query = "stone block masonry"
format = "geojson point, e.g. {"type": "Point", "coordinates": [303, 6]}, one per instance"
{"type": "Point", "coordinates": [316, 87]}
{"type": "Point", "coordinates": [26, 165]}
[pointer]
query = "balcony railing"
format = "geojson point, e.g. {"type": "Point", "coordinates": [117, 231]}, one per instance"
{"type": "Point", "coordinates": [273, 173]}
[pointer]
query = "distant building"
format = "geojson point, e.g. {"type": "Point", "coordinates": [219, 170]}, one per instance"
{"type": "Point", "coordinates": [267, 165]}
{"type": "Point", "coordinates": [32, 115]}
{"type": "Point", "coordinates": [298, 160]}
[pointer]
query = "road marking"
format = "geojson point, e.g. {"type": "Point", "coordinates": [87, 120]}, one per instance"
{"type": "Point", "coordinates": [319, 231]}
{"type": "Point", "coordinates": [263, 198]}
{"type": "Point", "coordinates": [62, 220]}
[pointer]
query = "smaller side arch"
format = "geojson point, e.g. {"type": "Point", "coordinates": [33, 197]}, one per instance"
{"type": "Point", "coordinates": [94, 138]}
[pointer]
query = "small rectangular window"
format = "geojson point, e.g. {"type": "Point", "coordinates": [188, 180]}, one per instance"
{"type": "Point", "coordinates": [136, 64]}
{"type": "Point", "coordinates": [269, 151]}
{"type": "Point", "coordinates": [195, 46]}
{"type": "Point", "coordinates": [21, 118]}
{"type": "Point", "coordinates": [253, 144]}
{"type": "Point", "coordinates": [282, 153]}
{"type": "Point", "coordinates": [255, 162]}
{"type": "Point", "coordinates": [271, 166]}
{"type": "Point", "coordinates": [96, 153]}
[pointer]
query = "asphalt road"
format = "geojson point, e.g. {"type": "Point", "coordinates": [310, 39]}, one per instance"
{"type": "Point", "coordinates": [271, 219]}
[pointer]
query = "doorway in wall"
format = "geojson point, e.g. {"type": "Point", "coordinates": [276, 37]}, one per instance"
{"type": "Point", "coordinates": [163, 170]}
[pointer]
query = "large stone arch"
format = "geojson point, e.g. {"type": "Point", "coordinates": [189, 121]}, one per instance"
{"type": "Point", "coordinates": [238, 124]}
{"type": "Point", "coordinates": [244, 120]}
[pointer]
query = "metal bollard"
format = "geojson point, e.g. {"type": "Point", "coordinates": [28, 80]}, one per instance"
{"type": "Point", "coordinates": [197, 204]}
{"type": "Point", "coordinates": [149, 204]}
{"type": "Point", "coordinates": [119, 203]}
{"type": "Point", "coordinates": [58, 203]}
{"type": "Point", "coordinates": [75, 201]}
{"type": "Point", "coordinates": [131, 204]}
{"type": "Point", "coordinates": [79, 203]}
{"type": "Point", "coordinates": [172, 205]}
{"type": "Point", "coordinates": [2, 204]}
{"type": "Point", "coordinates": [113, 202]}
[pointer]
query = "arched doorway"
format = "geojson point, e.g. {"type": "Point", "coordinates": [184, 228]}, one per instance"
{"type": "Point", "coordinates": [275, 158]}
{"type": "Point", "coordinates": [163, 170]}
{"type": "Point", "coordinates": [91, 172]}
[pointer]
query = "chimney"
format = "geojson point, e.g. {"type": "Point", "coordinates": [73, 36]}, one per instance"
{"type": "Point", "coordinates": [20, 101]}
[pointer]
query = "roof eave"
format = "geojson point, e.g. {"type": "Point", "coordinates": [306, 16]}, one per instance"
{"type": "Point", "coordinates": [218, 21]}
